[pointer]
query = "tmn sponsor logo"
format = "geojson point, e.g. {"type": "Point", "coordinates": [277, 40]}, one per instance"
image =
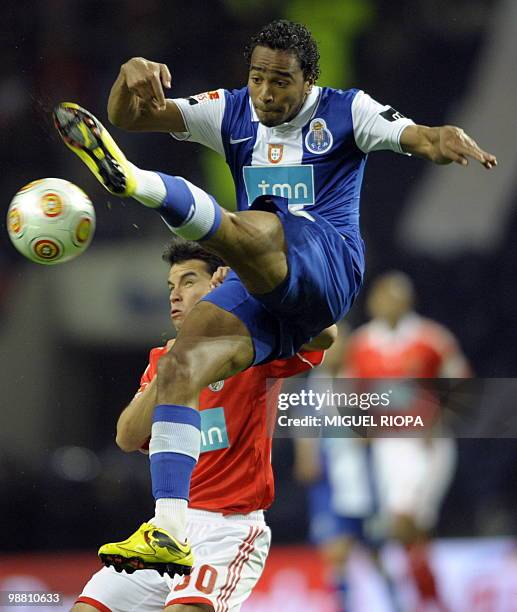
{"type": "Point", "coordinates": [214, 435]}
{"type": "Point", "coordinates": [296, 183]}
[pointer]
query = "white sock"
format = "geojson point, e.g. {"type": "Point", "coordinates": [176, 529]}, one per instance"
{"type": "Point", "coordinates": [150, 189]}
{"type": "Point", "coordinates": [171, 515]}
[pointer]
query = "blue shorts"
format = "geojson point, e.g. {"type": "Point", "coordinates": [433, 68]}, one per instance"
{"type": "Point", "coordinates": [324, 278]}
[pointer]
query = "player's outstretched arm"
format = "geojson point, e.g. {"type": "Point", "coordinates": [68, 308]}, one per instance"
{"type": "Point", "coordinates": [444, 145]}
{"type": "Point", "coordinates": [137, 100]}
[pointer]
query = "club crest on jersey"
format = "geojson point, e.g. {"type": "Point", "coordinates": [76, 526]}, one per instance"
{"type": "Point", "coordinates": [217, 386]}
{"type": "Point", "coordinates": [319, 138]}
{"type": "Point", "coordinates": [275, 153]}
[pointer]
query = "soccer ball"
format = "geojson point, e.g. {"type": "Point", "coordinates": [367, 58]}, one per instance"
{"type": "Point", "coordinates": [51, 221]}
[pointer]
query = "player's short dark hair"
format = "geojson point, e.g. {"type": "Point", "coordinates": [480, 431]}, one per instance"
{"type": "Point", "coordinates": [179, 250]}
{"type": "Point", "coordinates": [289, 36]}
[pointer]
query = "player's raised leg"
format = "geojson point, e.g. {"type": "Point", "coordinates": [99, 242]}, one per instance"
{"type": "Point", "coordinates": [212, 345]}
{"type": "Point", "coordinates": [251, 242]}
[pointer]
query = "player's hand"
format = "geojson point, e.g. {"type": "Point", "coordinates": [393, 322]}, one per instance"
{"type": "Point", "coordinates": [456, 146]}
{"type": "Point", "coordinates": [146, 80]}
{"type": "Point", "coordinates": [218, 276]}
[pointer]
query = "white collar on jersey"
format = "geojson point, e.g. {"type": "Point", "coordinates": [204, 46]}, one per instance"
{"type": "Point", "coordinates": [306, 112]}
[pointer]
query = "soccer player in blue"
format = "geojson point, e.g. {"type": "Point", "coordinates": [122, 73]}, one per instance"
{"type": "Point", "coordinates": [297, 153]}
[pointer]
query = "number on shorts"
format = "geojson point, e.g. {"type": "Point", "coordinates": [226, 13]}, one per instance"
{"type": "Point", "coordinates": [204, 584]}
{"type": "Point", "coordinates": [210, 583]}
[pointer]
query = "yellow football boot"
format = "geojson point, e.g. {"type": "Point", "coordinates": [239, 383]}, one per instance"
{"type": "Point", "coordinates": [150, 547]}
{"type": "Point", "coordinates": [85, 135]}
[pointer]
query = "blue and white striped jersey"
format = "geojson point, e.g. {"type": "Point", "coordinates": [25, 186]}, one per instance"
{"type": "Point", "coordinates": [316, 160]}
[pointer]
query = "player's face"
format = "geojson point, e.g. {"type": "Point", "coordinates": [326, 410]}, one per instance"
{"type": "Point", "coordinates": [390, 298]}
{"type": "Point", "coordinates": [188, 282]}
{"type": "Point", "coordinates": [276, 85]}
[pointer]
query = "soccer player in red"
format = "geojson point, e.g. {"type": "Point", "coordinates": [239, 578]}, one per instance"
{"type": "Point", "coordinates": [399, 343]}
{"type": "Point", "coordinates": [412, 474]}
{"type": "Point", "coordinates": [408, 477]}
{"type": "Point", "coordinates": [232, 483]}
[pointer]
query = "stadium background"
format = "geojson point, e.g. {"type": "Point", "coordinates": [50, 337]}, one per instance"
{"type": "Point", "coordinates": [74, 338]}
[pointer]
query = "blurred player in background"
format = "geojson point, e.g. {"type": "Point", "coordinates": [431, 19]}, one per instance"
{"type": "Point", "coordinates": [402, 480]}
{"type": "Point", "coordinates": [337, 534]}
{"type": "Point", "coordinates": [297, 154]}
{"type": "Point", "coordinates": [232, 483]}
{"type": "Point", "coordinates": [412, 474]}
{"type": "Point", "coordinates": [334, 534]}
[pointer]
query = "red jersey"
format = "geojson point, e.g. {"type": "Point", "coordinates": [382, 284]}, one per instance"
{"type": "Point", "coordinates": [234, 473]}
{"type": "Point", "coordinates": [415, 348]}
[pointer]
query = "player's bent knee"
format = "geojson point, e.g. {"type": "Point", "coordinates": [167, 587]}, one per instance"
{"type": "Point", "coordinates": [185, 368]}
{"type": "Point", "coordinates": [249, 233]}
{"type": "Point", "coordinates": [83, 607]}
{"type": "Point", "coordinates": [176, 368]}
{"type": "Point", "coordinates": [253, 244]}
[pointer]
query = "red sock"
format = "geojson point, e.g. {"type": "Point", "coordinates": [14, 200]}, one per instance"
{"type": "Point", "coordinates": [422, 573]}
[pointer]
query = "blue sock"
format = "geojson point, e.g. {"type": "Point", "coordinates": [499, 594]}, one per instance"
{"type": "Point", "coordinates": [189, 211]}
{"type": "Point", "coordinates": [174, 450]}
